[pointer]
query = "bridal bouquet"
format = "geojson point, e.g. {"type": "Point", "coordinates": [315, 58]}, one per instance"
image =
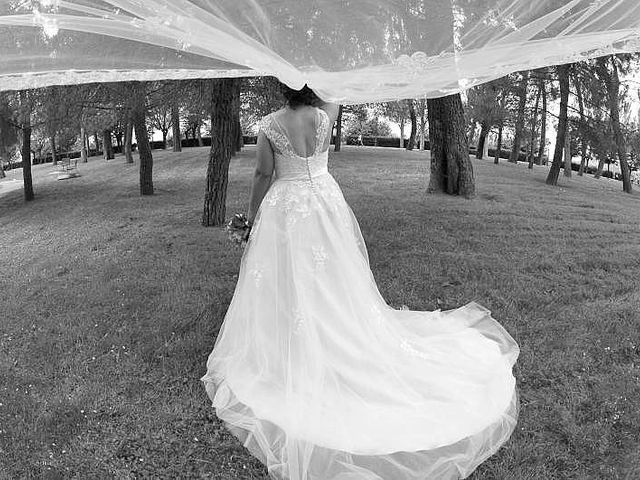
{"type": "Point", "coordinates": [238, 229]}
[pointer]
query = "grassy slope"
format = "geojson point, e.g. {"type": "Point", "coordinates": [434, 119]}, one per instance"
{"type": "Point", "coordinates": [111, 303]}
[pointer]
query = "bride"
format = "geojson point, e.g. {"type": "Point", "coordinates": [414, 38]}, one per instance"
{"type": "Point", "coordinates": [315, 374]}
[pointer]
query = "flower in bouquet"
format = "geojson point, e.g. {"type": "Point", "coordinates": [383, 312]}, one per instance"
{"type": "Point", "coordinates": [238, 229]}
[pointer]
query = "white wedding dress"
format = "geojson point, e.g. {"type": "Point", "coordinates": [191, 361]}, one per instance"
{"type": "Point", "coordinates": [320, 379]}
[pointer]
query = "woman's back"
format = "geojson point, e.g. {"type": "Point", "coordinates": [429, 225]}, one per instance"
{"type": "Point", "coordinates": [304, 129]}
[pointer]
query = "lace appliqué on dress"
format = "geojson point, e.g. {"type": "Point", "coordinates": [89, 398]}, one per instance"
{"type": "Point", "coordinates": [407, 347]}
{"type": "Point", "coordinates": [276, 137]}
{"type": "Point", "coordinates": [294, 202]}
{"type": "Point", "coordinates": [298, 320]}
{"type": "Point", "coordinates": [256, 273]}
{"type": "Point", "coordinates": [280, 140]}
{"type": "Point", "coordinates": [319, 257]}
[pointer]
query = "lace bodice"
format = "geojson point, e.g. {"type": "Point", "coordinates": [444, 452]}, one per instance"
{"type": "Point", "coordinates": [288, 164]}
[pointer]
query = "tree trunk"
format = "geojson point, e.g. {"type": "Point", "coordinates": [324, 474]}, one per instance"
{"type": "Point", "coordinates": [583, 141]}
{"type": "Point", "coordinates": [534, 122]}
{"type": "Point", "coordinates": [25, 150]}
{"type": "Point", "coordinates": [83, 148]}
{"type": "Point", "coordinates": [239, 140]}
{"type": "Point", "coordinates": [128, 140]}
{"type": "Point", "coordinates": [164, 139]}
{"type": "Point", "coordinates": [199, 135]}
{"type": "Point", "coordinates": [97, 142]}
{"type": "Point", "coordinates": [52, 147]}
{"type": "Point", "coordinates": [338, 141]}
{"type": "Point", "coordinates": [220, 154]}
{"type": "Point", "coordinates": [451, 169]}
{"type": "Point", "coordinates": [118, 137]}
{"type": "Point", "coordinates": [471, 133]}
{"type": "Point", "coordinates": [139, 115]}
{"type": "Point", "coordinates": [543, 126]}
{"type": "Point", "coordinates": [414, 125]}
{"type": "Point", "coordinates": [567, 153]}
{"type": "Point", "coordinates": [86, 144]}
{"type": "Point", "coordinates": [484, 131]}
{"type": "Point", "coordinates": [496, 158]}
{"type": "Point", "coordinates": [554, 171]}
{"type": "Point", "coordinates": [401, 133]}
{"type": "Point", "coordinates": [107, 146]}
{"type": "Point", "coordinates": [517, 138]}
{"type": "Point", "coordinates": [612, 82]}
{"type": "Point", "coordinates": [236, 128]}
{"type": "Point", "coordinates": [422, 125]}
{"type": "Point", "coordinates": [175, 125]}
{"type": "Point", "coordinates": [600, 167]}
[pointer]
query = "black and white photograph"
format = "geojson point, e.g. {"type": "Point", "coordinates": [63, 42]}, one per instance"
{"type": "Point", "coordinates": [320, 239]}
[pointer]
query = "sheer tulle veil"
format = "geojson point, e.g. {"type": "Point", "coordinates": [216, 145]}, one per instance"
{"type": "Point", "coordinates": [348, 52]}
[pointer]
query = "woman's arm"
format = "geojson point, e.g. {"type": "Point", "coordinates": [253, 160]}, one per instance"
{"type": "Point", "coordinates": [261, 177]}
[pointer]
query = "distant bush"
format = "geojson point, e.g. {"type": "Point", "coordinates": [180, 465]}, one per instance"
{"type": "Point", "coordinates": [503, 153]}
{"type": "Point", "coordinates": [393, 142]}
{"type": "Point", "coordinates": [193, 142]}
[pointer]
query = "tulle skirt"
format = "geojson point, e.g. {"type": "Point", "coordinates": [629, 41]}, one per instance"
{"type": "Point", "coordinates": [321, 380]}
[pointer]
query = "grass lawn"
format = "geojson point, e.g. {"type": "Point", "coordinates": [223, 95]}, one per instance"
{"type": "Point", "coordinates": [111, 303]}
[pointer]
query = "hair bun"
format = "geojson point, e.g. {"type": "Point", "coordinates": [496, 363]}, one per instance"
{"type": "Point", "coordinates": [302, 97]}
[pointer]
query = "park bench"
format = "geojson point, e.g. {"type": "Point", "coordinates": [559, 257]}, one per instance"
{"type": "Point", "coordinates": [67, 168]}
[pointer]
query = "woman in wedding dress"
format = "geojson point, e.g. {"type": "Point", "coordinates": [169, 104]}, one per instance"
{"type": "Point", "coordinates": [315, 374]}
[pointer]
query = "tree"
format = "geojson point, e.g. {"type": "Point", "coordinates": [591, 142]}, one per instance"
{"type": "Point", "coordinates": [18, 108]}
{"type": "Point", "coordinates": [593, 132]}
{"type": "Point", "coordinates": [138, 100]}
{"type": "Point", "coordinates": [236, 127]}
{"type": "Point", "coordinates": [52, 113]}
{"type": "Point", "coordinates": [607, 68]}
{"type": "Point", "coordinates": [160, 118]}
{"type": "Point", "coordinates": [355, 119]}
{"type": "Point", "coordinates": [259, 97]}
{"type": "Point", "coordinates": [451, 169]}
{"type": "Point", "coordinates": [175, 124]}
{"type": "Point", "coordinates": [496, 156]}
{"type": "Point", "coordinates": [414, 124]}
{"type": "Point", "coordinates": [338, 141]}
{"type": "Point", "coordinates": [567, 150]}
{"type": "Point", "coordinates": [378, 127]}
{"type": "Point", "coordinates": [534, 121]}
{"type": "Point", "coordinates": [107, 144]}
{"type": "Point", "coordinates": [543, 126]}
{"type": "Point", "coordinates": [488, 105]}
{"type": "Point", "coordinates": [522, 103]}
{"type": "Point", "coordinates": [581, 126]}
{"type": "Point", "coordinates": [563, 78]}
{"type": "Point", "coordinates": [222, 93]}
{"type": "Point", "coordinates": [8, 134]}
{"type": "Point", "coordinates": [396, 112]}
{"type": "Point", "coordinates": [25, 109]}
{"type": "Point", "coordinates": [128, 139]}
{"type": "Point", "coordinates": [364, 120]}
{"type": "Point", "coordinates": [422, 108]}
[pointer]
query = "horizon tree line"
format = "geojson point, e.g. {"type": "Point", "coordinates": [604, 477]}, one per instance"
{"type": "Point", "coordinates": [595, 120]}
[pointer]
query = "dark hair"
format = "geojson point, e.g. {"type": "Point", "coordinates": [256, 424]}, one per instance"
{"type": "Point", "coordinates": [302, 97]}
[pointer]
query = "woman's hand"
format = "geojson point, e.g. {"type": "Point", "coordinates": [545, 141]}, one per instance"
{"type": "Point", "coordinates": [247, 232]}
